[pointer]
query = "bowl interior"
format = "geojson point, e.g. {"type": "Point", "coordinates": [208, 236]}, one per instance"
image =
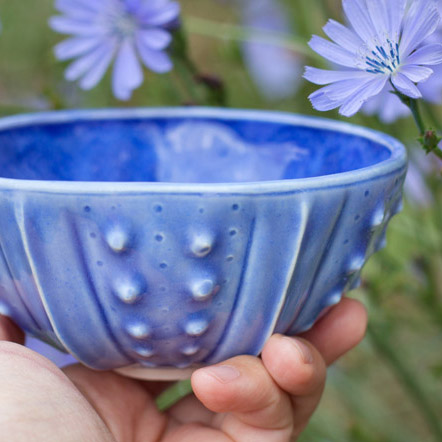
{"type": "Point", "coordinates": [178, 149]}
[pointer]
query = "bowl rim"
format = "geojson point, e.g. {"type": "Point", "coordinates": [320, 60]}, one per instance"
{"type": "Point", "coordinates": [392, 165]}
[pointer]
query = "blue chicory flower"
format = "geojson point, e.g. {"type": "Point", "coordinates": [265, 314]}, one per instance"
{"type": "Point", "coordinates": [274, 69]}
{"type": "Point", "coordinates": [383, 44]}
{"type": "Point", "coordinates": [126, 31]}
{"type": "Point", "coordinates": [388, 106]}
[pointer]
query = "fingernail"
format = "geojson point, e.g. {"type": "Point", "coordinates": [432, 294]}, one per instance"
{"type": "Point", "coordinates": [303, 350]}
{"type": "Point", "coordinates": [223, 373]}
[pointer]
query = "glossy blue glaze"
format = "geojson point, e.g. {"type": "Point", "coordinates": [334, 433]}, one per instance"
{"type": "Point", "coordinates": [181, 237]}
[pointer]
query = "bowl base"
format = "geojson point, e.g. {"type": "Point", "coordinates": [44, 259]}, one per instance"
{"type": "Point", "coordinates": [137, 371]}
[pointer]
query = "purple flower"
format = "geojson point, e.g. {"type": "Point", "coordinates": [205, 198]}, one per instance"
{"type": "Point", "coordinates": [126, 31]}
{"type": "Point", "coordinates": [383, 44]}
{"type": "Point", "coordinates": [390, 108]}
{"type": "Point", "coordinates": [275, 70]}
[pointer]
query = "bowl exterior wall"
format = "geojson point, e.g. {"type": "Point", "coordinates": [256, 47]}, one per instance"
{"type": "Point", "coordinates": [180, 280]}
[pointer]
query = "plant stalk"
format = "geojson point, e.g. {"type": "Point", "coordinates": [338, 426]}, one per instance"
{"type": "Point", "coordinates": [202, 89]}
{"type": "Point", "coordinates": [173, 394]}
{"type": "Point", "coordinates": [229, 31]}
{"type": "Point", "coordinates": [414, 108]}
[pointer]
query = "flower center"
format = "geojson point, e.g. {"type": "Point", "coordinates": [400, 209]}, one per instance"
{"type": "Point", "coordinates": [125, 25]}
{"type": "Point", "coordinates": [382, 59]}
{"type": "Point", "coordinates": [119, 21]}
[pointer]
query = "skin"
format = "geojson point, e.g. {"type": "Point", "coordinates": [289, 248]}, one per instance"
{"type": "Point", "coordinates": [268, 399]}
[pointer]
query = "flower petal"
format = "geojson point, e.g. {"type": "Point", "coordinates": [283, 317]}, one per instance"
{"type": "Point", "coordinates": [332, 52]}
{"type": "Point", "coordinates": [379, 16]}
{"type": "Point", "coordinates": [133, 6]}
{"type": "Point", "coordinates": [161, 15]}
{"type": "Point", "coordinates": [157, 39]}
{"type": "Point", "coordinates": [343, 36]}
{"type": "Point", "coordinates": [67, 25]}
{"type": "Point", "coordinates": [75, 7]}
{"type": "Point", "coordinates": [156, 61]}
{"type": "Point", "coordinates": [368, 90]}
{"type": "Point", "coordinates": [356, 12]}
{"type": "Point", "coordinates": [97, 71]}
{"type": "Point", "coordinates": [404, 85]}
{"type": "Point", "coordinates": [127, 74]}
{"type": "Point", "coordinates": [416, 73]}
{"type": "Point", "coordinates": [334, 95]}
{"type": "Point", "coordinates": [80, 66]}
{"type": "Point", "coordinates": [323, 103]}
{"type": "Point", "coordinates": [396, 11]}
{"type": "Point", "coordinates": [74, 47]}
{"type": "Point", "coordinates": [421, 21]}
{"type": "Point", "coordinates": [323, 76]}
{"type": "Point", "coordinates": [429, 55]}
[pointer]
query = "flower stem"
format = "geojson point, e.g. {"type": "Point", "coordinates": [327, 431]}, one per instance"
{"type": "Point", "coordinates": [202, 89]}
{"type": "Point", "coordinates": [185, 80]}
{"type": "Point", "coordinates": [438, 153]}
{"type": "Point", "coordinates": [428, 138]}
{"type": "Point", "coordinates": [172, 395]}
{"type": "Point", "coordinates": [432, 115]}
{"type": "Point", "coordinates": [407, 379]}
{"type": "Point", "coordinates": [414, 108]}
{"type": "Point", "coordinates": [230, 31]}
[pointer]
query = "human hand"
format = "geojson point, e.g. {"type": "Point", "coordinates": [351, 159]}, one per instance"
{"type": "Point", "coordinates": [267, 399]}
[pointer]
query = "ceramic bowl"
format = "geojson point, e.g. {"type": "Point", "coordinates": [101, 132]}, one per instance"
{"type": "Point", "coordinates": [155, 241]}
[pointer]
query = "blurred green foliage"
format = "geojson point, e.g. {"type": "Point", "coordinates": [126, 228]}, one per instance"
{"type": "Point", "coordinates": [390, 387]}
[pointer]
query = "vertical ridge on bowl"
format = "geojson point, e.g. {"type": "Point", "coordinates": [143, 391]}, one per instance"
{"type": "Point", "coordinates": [357, 210]}
{"type": "Point", "coordinates": [263, 293]}
{"type": "Point", "coordinates": [66, 285]}
{"type": "Point", "coordinates": [330, 229]}
{"type": "Point", "coordinates": [16, 276]}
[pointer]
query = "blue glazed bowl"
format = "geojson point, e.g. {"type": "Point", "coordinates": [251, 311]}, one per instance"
{"type": "Point", "coordinates": [158, 240]}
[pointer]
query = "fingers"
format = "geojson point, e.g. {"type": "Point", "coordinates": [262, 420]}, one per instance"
{"type": "Point", "coordinates": [248, 398]}
{"type": "Point", "coordinates": [10, 332]}
{"type": "Point", "coordinates": [340, 330]}
{"type": "Point", "coordinates": [294, 364]}
{"type": "Point", "coordinates": [251, 394]}
{"type": "Point", "coordinates": [274, 398]}
{"type": "Point", "coordinates": [299, 369]}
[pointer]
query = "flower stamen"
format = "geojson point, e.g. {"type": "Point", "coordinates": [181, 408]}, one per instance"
{"type": "Point", "coordinates": [384, 60]}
